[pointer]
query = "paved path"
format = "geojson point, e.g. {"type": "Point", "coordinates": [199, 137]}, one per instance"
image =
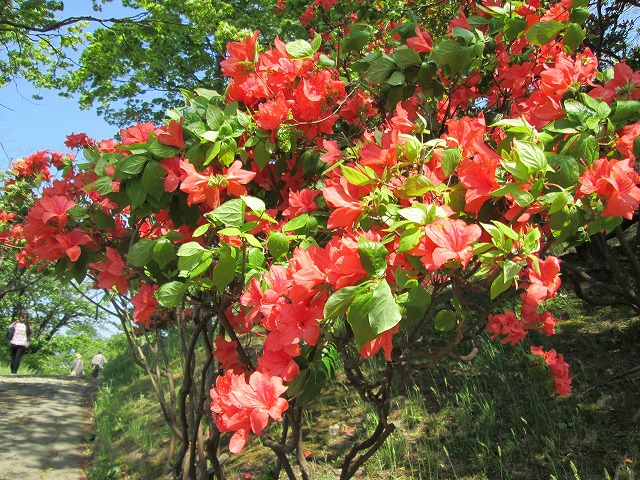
{"type": "Point", "coordinates": [43, 421]}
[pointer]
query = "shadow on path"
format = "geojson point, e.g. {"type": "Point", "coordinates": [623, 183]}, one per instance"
{"type": "Point", "coordinates": [44, 420]}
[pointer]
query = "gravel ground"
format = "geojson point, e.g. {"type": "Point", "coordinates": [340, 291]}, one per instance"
{"type": "Point", "coordinates": [42, 427]}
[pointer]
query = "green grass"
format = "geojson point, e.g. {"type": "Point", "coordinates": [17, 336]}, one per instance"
{"type": "Point", "coordinates": [129, 434]}
{"type": "Point", "coordinates": [5, 369]}
{"type": "Point", "coordinates": [483, 420]}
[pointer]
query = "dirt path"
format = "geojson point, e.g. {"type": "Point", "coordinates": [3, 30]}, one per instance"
{"type": "Point", "coordinates": [43, 421]}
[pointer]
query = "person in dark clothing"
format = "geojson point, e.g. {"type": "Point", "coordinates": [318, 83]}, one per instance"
{"type": "Point", "coordinates": [19, 341]}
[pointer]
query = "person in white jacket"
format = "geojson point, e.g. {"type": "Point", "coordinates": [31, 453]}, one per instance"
{"type": "Point", "coordinates": [98, 362]}
{"type": "Point", "coordinates": [19, 341]}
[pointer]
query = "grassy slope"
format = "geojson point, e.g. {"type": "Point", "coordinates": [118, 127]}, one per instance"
{"type": "Point", "coordinates": [484, 420]}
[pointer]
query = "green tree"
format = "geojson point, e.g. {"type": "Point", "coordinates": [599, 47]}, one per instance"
{"type": "Point", "coordinates": [128, 66]}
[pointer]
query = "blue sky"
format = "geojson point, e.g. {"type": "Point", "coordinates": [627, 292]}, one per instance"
{"type": "Point", "coordinates": [28, 125]}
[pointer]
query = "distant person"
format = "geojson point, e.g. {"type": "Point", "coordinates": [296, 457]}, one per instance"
{"type": "Point", "coordinates": [19, 336]}
{"type": "Point", "coordinates": [98, 362]}
{"type": "Point", "coordinates": [77, 367]}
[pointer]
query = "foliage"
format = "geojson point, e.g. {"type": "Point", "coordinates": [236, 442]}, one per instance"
{"type": "Point", "coordinates": [385, 192]}
{"type": "Point", "coordinates": [133, 68]}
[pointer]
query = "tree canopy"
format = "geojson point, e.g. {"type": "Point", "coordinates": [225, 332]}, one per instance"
{"type": "Point", "coordinates": [133, 67]}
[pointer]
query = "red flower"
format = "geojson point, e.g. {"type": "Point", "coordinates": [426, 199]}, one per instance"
{"type": "Point", "coordinates": [206, 186]}
{"type": "Point", "coordinates": [382, 341]}
{"type": "Point", "coordinates": [559, 369]}
{"type": "Point", "coordinates": [624, 85]}
{"type": "Point", "coordinates": [506, 324]}
{"type": "Point", "coordinates": [144, 304]}
{"type": "Point", "coordinates": [112, 272]}
{"type": "Point", "coordinates": [242, 56]}
{"type": "Point", "coordinates": [272, 113]}
{"type": "Point", "coordinates": [139, 133]}
{"type": "Point", "coordinates": [422, 42]}
{"type": "Point", "coordinates": [171, 134]}
{"type": "Point", "coordinates": [79, 140]}
{"type": "Point", "coordinates": [346, 207]}
{"type": "Point", "coordinates": [240, 406]}
{"type": "Point", "coordinates": [301, 202]}
{"type": "Point", "coordinates": [451, 240]}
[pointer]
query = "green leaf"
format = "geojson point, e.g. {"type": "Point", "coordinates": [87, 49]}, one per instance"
{"type": "Point", "coordinates": [227, 152]}
{"type": "Point", "coordinates": [132, 164]}
{"type": "Point", "coordinates": [577, 112]}
{"type": "Point", "coordinates": [415, 214]}
{"type": "Point", "coordinates": [141, 253]}
{"type": "Point", "coordinates": [396, 79]}
{"type": "Point", "coordinates": [531, 155]}
{"type": "Point", "coordinates": [215, 117]}
{"type": "Point", "coordinates": [307, 386]}
{"type": "Point", "coordinates": [164, 251]}
{"type": "Point", "coordinates": [201, 230]}
{"type": "Point", "coordinates": [373, 256]}
{"type": "Point", "coordinates": [542, 33]}
{"type": "Point", "coordinates": [573, 36]}
{"type": "Point", "coordinates": [446, 320]}
{"type": "Point", "coordinates": [170, 294]}
{"type": "Point", "coordinates": [510, 270]}
{"type": "Point", "coordinates": [190, 248]}
{"type": "Point", "coordinates": [372, 313]}
{"type": "Point", "coordinates": [230, 212]}
{"type": "Point", "coordinates": [410, 238]}
{"type": "Point", "coordinates": [566, 170]}
{"type": "Point", "coordinates": [626, 111]}
{"type": "Point", "coordinates": [195, 265]}
{"type": "Point", "coordinates": [506, 189]}
{"type": "Point", "coordinates": [452, 56]}
{"type": "Point", "coordinates": [384, 312]}
{"type": "Point", "coordinates": [136, 192]}
{"type": "Point", "coordinates": [153, 179]}
{"type": "Point", "coordinates": [104, 221]}
{"type": "Point", "coordinates": [499, 285]}
{"type": "Point", "coordinates": [224, 271]}
{"type": "Point", "coordinates": [339, 302]}
{"type": "Point", "coordinates": [261, 154]}
{"type": "Point", "coordinates": [358, 318]}
{"type": "Point", "coordinates": [161, 150]}
{"type": "Point", "coordinates": [300, 49]}
{"type": "Point", "coordinates": [522, 198]}
{"type": "Point", "coordinates": [103, 185]}
{"type": "Point", "coordinates": [515, 26]}
{"type": "Point", "coordinates": [583, 147]}
{"type": "Point", "coordinates": [303, 224]}
{"type": "Point", "coordinates": [419, 297]}
{"type": "Point", "coordinates": [450, 159]}
{"type": "Point", "coordinates": [277, 244]}
{"type": "Point", "coordinates": [416, 186]}
{"type": "Point", "coordinates": [579, 14]}
{"type": "Point", "coordinates": [255, 204]}
{"type": "Point", "coordinates": [380, 70]}
{"type": "Point", "coordinates": [358, 37]}
{"type": "Point", "coordinates": [406, 57]}
{"type": "Point", "coordinates": [354, 177]}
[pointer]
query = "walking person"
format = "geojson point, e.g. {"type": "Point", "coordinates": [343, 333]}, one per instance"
{"type": "Point", "coordinates": [77, 367]}
{"type": "Point", "coordinates": [98, 362]}
{"type": "Point", "coordinates": [19, 341]}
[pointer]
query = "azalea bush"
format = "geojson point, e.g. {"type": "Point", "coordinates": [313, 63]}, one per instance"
{"type": "Point", "coordinates": [374, 204]}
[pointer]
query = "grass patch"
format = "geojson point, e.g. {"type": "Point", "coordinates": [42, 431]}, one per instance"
{"type": "Point", "coordinates": [130, 434]}
{"type": "Point", "coordinates": [483, 420]}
